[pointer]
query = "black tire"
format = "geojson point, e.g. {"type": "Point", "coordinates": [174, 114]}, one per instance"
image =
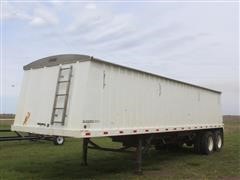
{"type": "Point", "coordinates": [218, 140]}
{"type": "Point", "coordinates": [58, 140]}
{"type": "Point", "coordinates": [197, 143]}
{"type": "Point", "coordinates": [189, 144]}
{"type": "Point", "coordinates": [207, 143]}
{"type": "Point", "coordinates": [159, 147]}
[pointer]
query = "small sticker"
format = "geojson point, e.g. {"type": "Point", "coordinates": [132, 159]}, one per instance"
{"type": "Point", "coordinates": [91, 121]}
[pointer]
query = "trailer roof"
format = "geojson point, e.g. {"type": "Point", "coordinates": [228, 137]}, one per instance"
{"type": "Point", "coordinates": [56, 60]}
{"type": "Point", "coordinates": [73, 58]}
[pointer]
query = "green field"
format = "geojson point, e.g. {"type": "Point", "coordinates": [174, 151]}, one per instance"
{"type": "Point", "coordinates": [43, 160]}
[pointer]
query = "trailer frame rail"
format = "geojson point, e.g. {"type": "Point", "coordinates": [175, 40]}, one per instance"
{"type": "Point", "coordinates": [32, 137]}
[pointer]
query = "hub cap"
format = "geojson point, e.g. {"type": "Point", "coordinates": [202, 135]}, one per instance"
{"type": "Point", "coordinates": [210, 143]}
{"type": "Point", "coordinates": [60, 140]}
{"type": "Point", "coordinates": [219, 141]}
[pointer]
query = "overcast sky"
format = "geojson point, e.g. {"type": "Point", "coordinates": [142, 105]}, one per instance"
{"type": "Point", "coordinates": [196, 42]}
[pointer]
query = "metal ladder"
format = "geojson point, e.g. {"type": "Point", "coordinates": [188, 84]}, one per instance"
{"type": "Point", "coordinates": [65, 95]}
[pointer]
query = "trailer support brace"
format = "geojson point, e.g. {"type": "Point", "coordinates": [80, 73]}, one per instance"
{"type": "Point", "coordinates": [85, 150]}
{"type": "Point", "coordinates": [139, 156]}
{"type": "Point", "coordinates": [138, 153]}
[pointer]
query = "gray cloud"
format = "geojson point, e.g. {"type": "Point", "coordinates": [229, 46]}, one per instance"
{"type": "Point", "coordinates": [197, 44]}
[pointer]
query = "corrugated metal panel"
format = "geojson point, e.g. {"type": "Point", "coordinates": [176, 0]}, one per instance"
{"type": "Point", "coordinates": [73, 58]}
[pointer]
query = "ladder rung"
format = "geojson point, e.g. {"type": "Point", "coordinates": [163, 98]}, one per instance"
{"type": "Point", "coordinates": [64, 69]}
{"type": "Point", "coordinates": [61, 94]}
{"type": "Point", "coordinates": [58, 108]}
{"type": "Point", "coordinates": [57, 122]}
{"type": "Point", "coordinates": [63, 81]}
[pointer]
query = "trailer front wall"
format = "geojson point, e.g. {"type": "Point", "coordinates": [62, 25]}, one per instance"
{"type": "Point", "coordinates": [36, 96]}
{"type": "Point", "coordinates": [36, 101]}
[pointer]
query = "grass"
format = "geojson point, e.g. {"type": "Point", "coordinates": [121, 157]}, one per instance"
{"type": "Point", "coordinates": [43, 160]}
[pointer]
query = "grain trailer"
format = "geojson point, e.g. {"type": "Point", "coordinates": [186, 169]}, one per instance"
{"type": "Point", "coordinates": [84, 97]}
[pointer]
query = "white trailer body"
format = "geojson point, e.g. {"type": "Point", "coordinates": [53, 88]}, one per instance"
{"type": "Point", "coordinates": [105, 99]}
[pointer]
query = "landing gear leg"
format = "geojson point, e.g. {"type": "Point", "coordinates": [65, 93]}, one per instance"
{"type": "Point", "coordinates": [85, 150]}
{"type": "Point", "coordinates": [139, 156]}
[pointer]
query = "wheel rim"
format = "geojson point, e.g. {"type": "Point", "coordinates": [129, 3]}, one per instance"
{"type": "Point", "coordinates": [219, 141]}
{"type": "Point", "coordinates": [60, 140]}
{"type": "Point", "coordinates": [210, 143]}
